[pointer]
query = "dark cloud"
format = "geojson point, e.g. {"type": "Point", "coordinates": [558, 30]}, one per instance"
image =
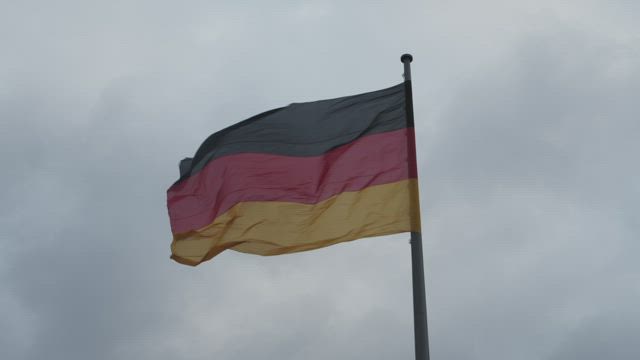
{"type": "Point", "coordinates": [527, 120]}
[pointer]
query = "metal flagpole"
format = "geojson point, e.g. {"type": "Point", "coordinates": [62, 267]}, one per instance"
{"type": "Point", "coordinates": [417, 263]}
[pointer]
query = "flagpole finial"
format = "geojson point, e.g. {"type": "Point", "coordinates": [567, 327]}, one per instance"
{"type": "Point", "coordinates": [406, 58]}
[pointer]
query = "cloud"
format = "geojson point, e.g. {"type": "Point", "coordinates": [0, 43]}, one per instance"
{"type": "Point", "coordinates": [527, 130]}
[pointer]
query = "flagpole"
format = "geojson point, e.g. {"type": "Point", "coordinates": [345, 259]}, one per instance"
{"type": "Point", "coordinates": [417, 264]}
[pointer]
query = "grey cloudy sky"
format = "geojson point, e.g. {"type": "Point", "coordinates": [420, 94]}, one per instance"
{"type": "Point", "coordinates": [527, 119]}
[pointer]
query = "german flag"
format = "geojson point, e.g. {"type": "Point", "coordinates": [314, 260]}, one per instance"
{"type": "Point", "coordinates": [297, 178]}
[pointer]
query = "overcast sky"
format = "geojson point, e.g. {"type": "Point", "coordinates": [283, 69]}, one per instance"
{"type": "Point", "coordinates": [527, 117]}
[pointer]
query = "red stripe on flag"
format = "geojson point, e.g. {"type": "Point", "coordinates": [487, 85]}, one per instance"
{"type": "Point", "coordinates": [371, 160]}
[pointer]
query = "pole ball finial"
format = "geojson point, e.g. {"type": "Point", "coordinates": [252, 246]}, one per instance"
{"type": "Point", "coordinates": [406, 58]}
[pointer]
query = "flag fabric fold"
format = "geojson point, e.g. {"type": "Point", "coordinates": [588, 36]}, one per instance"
{"type": "Point", "coordinates": [298, 178]}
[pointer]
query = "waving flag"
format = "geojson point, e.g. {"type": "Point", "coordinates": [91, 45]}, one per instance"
{"type": "Point", "coordinates": [298, 178]}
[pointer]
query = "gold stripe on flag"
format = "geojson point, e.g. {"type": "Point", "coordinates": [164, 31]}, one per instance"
{"type": "Point", "coordinates": [272, 227]}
